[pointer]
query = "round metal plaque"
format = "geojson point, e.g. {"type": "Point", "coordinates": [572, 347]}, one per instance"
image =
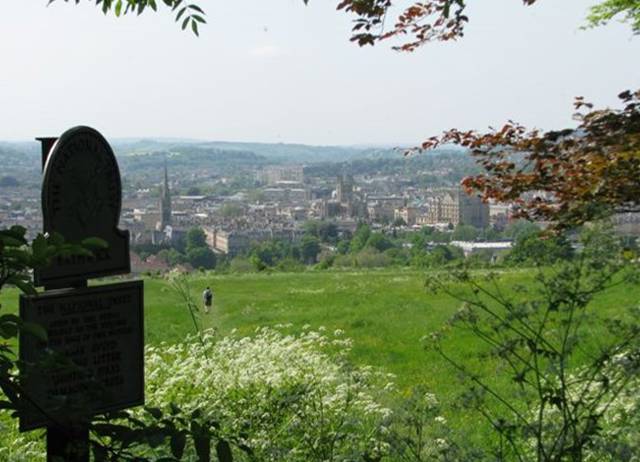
{"type": "Point", "coordinates": [81, 198]}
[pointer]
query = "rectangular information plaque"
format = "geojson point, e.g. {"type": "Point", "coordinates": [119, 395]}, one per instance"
{"type": "Point", "coordinates": [93, 360]}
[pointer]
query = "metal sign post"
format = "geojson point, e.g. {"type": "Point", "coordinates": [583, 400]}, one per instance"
{"type": "Point", "coordinates": [93, 358]}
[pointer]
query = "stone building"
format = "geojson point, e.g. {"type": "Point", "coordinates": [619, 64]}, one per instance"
{"type": "Point", "coordinates": [275, 174]}
{"type": "Point", "coordinates": [344, 189]}
{"type": "Point", "coordinates": [456, 208]}
{"type": "Point", "coordinates": [238, 241]}
{"type": "Point", "coordinates": [406, 214]}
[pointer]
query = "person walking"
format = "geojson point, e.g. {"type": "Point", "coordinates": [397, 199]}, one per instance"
{"type": "Point", "coordinates": [207, 298]}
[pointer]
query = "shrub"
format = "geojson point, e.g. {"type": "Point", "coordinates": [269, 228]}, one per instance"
{"type": "Point", "coordinates": [371, 258]}
{"type": "Point", "coordinates": [241, 265]}
{"type": "Point", "coordinates": [551, 410]}
{"type": "Point", "coordinates": [344, 261]}
{"type": "Point", "coordinates": [272, 396]}
{"type": "Point", "coordinates": [290, 265]}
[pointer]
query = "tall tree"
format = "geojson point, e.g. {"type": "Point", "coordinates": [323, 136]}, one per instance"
{"type": "Point", "coordinates": [196, 238]}
{"type": "Point", "coordinates": [569, 176]}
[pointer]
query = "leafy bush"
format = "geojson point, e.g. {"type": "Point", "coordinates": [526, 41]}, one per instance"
{"type": "Point", "coordinates": [344, 261]}
{"type": "Point", "coordinates": [17, 447]}
{"type": "Point", "coordinates": [371, 258]}
{"type": "Point", "coordinates": [241, 265]}
{"type": "Point", "coordinates": [272, 396]}
{"type": "Point", "coordinates": [551, 410]}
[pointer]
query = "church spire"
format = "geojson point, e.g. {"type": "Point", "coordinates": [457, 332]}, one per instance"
{"type": "Point", "coordinates": [165, 200]}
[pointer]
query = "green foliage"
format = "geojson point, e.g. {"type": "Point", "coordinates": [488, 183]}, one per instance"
{"type": "Point", "coordinates": [188, 14]}
{"type": "Point", "coordinates": [438, 256]}
{"type": "Point", "coordinates": [290, 265]}
{"type": "Point", "coordinates": [343, 246]}
{"type": "Point", "coordinates": [480, 259]}
{"type": "Point", "coordinates": [268, 397]}
{"type": "Point", "coordinates": [379, 242]}
{"type": "Point", "coordinates": [17, 259]}
{"type": "Point", "coordinates": [464, 233]}
{"type": "Point", "coordinates": [147, 248]}
{"type": "Point", "coordinates": [521, 228]}
{"type": "Point", "coordinates": [326, 262]}
{"type": "Point", "coordinates": [309, 249]}
{"type": "Point", "coordinates": [420, 432]}
{"type": "Point", "coordinates": [198, 254]}
{"type": "Point", "coordinates": [386, 312]}
{"type": "Point", "coordinates": [268, 254]}
{"type": "Point", "coordinates": [626, 10]}
{"type": "Point", "coordinates": [551, 411]}
{"type": "Point", "coordinates": [172, 257]}
{"type": "Point", "coordinates": [196, 238]}
{"type": "Point", "coordinates": [325, 231]}
{"type": "Point", "coordinates": [360, 238]}
{"type": "Point", "coordinates": [371, 258]}
{"type": "Point", "coordinates": [433, 235]}
{"type": "Point", "coordinates": [536, 248]}
{"type": "Point", "coordinates": [241, 265]}
{"type": "Point", "coordinates": [398, 256]}
{"type": "Point", "coordinates": [201, 257]}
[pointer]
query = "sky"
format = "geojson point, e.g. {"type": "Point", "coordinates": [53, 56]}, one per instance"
{"type": "Point", "coordinates": [279, 71]}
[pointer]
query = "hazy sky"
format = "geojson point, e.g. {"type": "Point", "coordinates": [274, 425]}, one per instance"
{"type": "Point", "coordinates": [277, 71]}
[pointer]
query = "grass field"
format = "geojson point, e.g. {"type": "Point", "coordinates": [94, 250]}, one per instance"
{"type": "Point", "coordinates": [386, 313]}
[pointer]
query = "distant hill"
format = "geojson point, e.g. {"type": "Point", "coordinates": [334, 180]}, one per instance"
{"type": "Point", "coordinates": [190, 157]}
{"type": "Point", "coordinates": [145, 157]}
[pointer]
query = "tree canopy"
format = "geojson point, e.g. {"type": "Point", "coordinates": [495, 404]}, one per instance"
{"type": "Point", "coordinates": [442, 20]}
{"type": "Point", "coordinates": [420, 22]}
{"type": "Point", "coordinates": [569, 176]}
{"type": "Point", "coordinates": [188, 14]}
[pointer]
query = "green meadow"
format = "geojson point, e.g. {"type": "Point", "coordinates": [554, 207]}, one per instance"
{"type": "Point", "coordinates": [386, 313]}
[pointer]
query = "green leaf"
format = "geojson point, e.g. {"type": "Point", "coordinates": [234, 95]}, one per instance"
{"type": "Point", "coordinates": [176, 4]}
{"type": "Point", "coordinates": [26, 286]}
{"type": "Point", "coordinates": [175, 410]}
{"type": "Point", "coordinates": [17, 231]}
{"type": "Point", "coordinates": [12, 241]}
{"type": "Point", "coordinates": [180, 13]}
{"type": "Point", "coordinates": [11, 318]}
{"type": "Point", "coordinates": [155, 412]}
{"type": "Point", "coordinates": [155, 438]}
{"type": "Point", "coordinates": [203, 448]}
{"type": "Point", "coordinates": [55, 239]}
{"type": "Point", "coordinates": [118, 8]}
{"type": "Point", "coordinates": [197, 8]}
{"type": "Point", "coordinates": [7, 405]}
{"type": "Point", "coordinates": [39, 246]}
{"type": "Point", "coordinates": [8, 330]}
